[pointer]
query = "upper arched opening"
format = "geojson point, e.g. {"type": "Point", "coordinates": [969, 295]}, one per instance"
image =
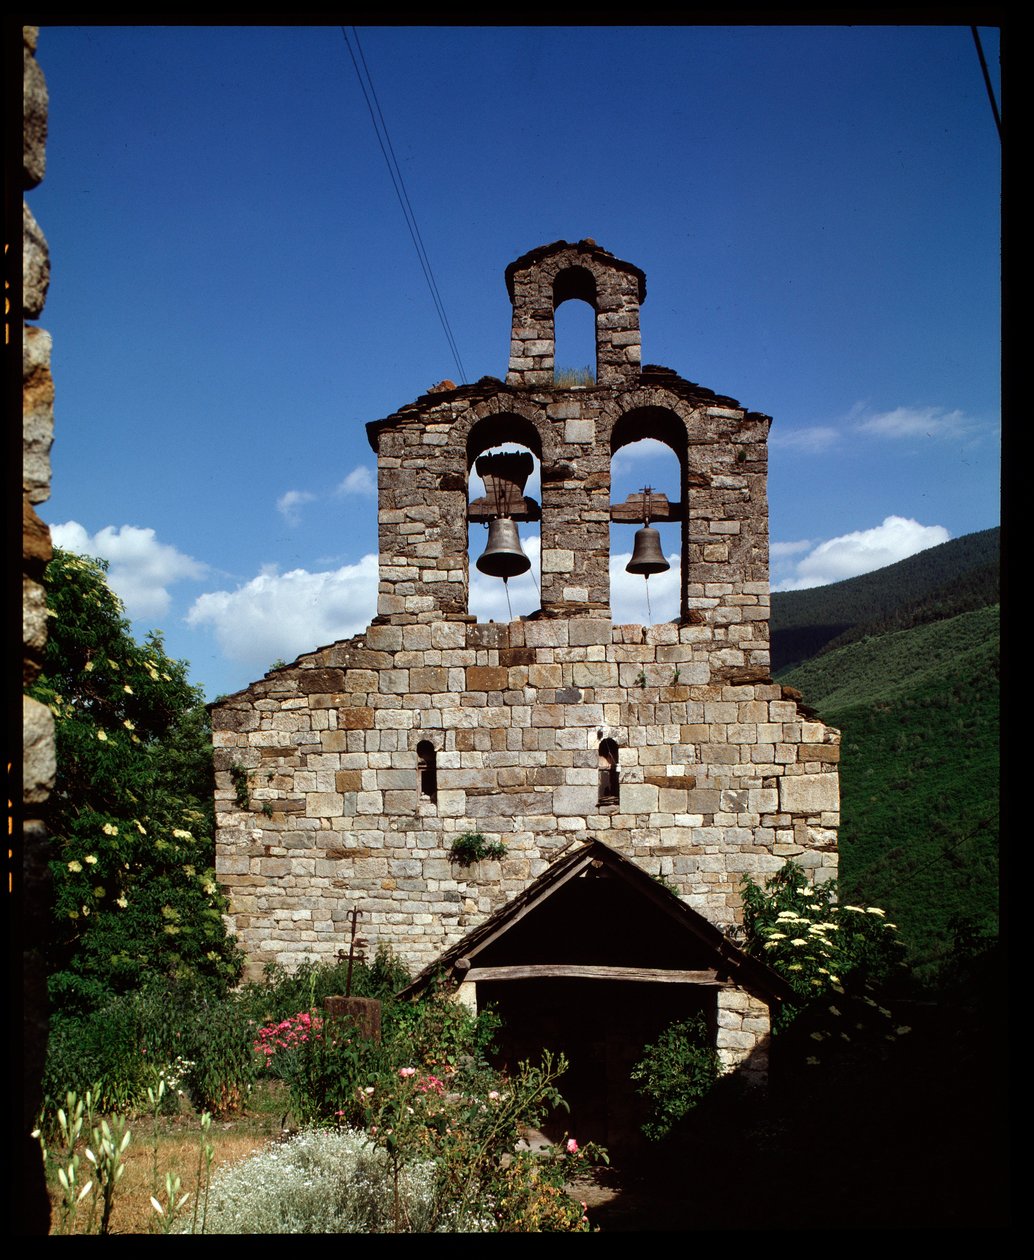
{"type": "Point", "coordinates": [502, 429]}
{"type": "Point", "coordinates": [656, 423]}
{"type": "Point", "coordinates": [576, 283]}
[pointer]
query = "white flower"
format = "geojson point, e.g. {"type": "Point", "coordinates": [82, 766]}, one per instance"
{"type": "Point", "coordinates": [90, 859]}
{"type": "Point", "coordinates": [102, 736]}
{"type": "Point", "coordinates": [876, 910]}
{"type": "Point", "coordinates": [110, 829]}
{"type": "Point", "coordinates": [75, 867]}
{"type": "Point", "coordinates": [180, 834]}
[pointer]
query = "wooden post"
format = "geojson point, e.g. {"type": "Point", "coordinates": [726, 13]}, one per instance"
{"type": "Point", "coordinates": [364, 1013]}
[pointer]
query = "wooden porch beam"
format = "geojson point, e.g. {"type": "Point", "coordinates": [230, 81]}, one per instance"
{"type": "Point", "coordinates": [578, 971]}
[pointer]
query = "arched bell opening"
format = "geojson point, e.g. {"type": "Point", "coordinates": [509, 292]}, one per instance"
{"type": "Point", "coordinates": [574, 328]}
{"type": "Point", "coordinates": [647, 530]}
{"type": "Point", "coordinates": [504, 490]}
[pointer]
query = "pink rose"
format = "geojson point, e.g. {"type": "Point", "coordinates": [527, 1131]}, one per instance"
{"type": "Point", "coordinates": [407, 1071]}
{"type": "Point", "coordinates": [572, 1146]}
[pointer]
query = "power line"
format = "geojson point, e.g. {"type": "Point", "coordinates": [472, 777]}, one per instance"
{"type": "Point", "coordinates": [388, 152]}
{"type": "Point", "coordinates": [987, 80]}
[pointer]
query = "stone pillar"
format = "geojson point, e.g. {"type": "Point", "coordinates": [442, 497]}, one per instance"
{"type": "Point", "coordinates": [38, 724]}
{"type": "Point", "coordinates": [744, 1027]}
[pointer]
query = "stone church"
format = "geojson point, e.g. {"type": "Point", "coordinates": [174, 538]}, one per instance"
{"type": "Point", "coordinates": [632, 774]}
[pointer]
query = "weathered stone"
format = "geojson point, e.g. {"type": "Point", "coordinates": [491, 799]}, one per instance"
{"type": "Point", "coordinates": [431, 725]}
{"type": "Point", "coordinates": [38, 760]}
{"type": "Point", "coordinates": [808, 793]}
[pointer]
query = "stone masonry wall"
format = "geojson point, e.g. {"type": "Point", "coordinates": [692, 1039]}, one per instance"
{"type": "Point", "coordinates": [38, 755]}
{"type": "Point", "coordinates": [319, 800]}
{"type": "Point", "coordinates": [717, 779]}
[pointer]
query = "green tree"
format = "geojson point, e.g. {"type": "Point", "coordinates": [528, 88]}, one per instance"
{"type": "Point", "coordinates": [135, 895]}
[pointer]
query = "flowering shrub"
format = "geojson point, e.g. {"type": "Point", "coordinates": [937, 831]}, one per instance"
{"type": "Point", "coordinates": [135, 896]}
{"type": "Point", "coordinates": [821, 948]}
{"type": "Point", "coordinates": [483, 1180]}
{"type": "Point", "coordinates": [275, 1042]}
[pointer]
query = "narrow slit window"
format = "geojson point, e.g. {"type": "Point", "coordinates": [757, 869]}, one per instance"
{"type": "Point", "coordinates": [427, 770]}
{"type": "Point", "coordinates": [609, 782]}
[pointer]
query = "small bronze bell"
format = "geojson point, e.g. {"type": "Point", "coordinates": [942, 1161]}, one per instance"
{"type": "Point", "coordinates": [647, 556]}
{"type": "Point", "coordinates": [503, 557]}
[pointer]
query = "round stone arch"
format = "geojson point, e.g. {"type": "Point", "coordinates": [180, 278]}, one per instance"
{"type": "Point", "coordinates": [666, 426]}
{"type": "Point", "coordinates": [500, 422]}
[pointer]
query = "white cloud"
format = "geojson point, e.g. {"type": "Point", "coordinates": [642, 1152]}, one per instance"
{"type": "Point", "coordinates": [778, 550]}
{"type": "Point", "coordinates": [288, 504]}
{"type": "Point", "coordinates": [140, 568]}
{"type": "Point", "coordinates": [811, 440]}
{"type": "Point", "coordinates": [282, 615]}
{"type": "Point", "coordinates": [359, 481]}
{"type": "Point", "coordinates": [863, 551]}
{"type": "Point", "coordinates": [638, 453]}
{"type": "Point", "coordinates": [628, 592]}
{"type": "Point", "coordinates": [907, 422]}
{"type": "Point", "coordinates": [487, 598]}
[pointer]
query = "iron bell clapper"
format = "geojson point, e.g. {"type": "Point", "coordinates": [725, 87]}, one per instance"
{"type": "Point", "coordinates": [647, 558]}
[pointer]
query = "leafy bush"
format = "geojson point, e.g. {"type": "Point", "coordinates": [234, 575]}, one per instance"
{"type": "Point", "coordinates": [675, 1072]}
{"type": "Point", "coordinates": [816, 944]}
{"type": "Point", "coordinates": [840, 960]}
{"type": "Point", "coordinates": [135, 895]}
{"type": "Point", "coordinates": [320, 1182]}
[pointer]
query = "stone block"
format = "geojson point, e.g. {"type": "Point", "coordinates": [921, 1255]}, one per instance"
{"type": "Point", "coordinates": [809, 793]}
{"type": "Point", "coordinates": [576, 801]}
{"type": "Point", "coordinates": [487, 678]}
{"type": "Point", "coordinates": [355, 719]}
{"type": "Point", "coordinates": [639, 798]}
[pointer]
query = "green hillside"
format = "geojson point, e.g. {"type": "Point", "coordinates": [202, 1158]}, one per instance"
{"type": "Point", "coordinates": [934, 584]}
{"type": "Point", "coordinates": [919, 714]}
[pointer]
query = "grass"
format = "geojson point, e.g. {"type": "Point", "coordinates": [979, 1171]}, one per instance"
{"type": "Point", "coordinates": [178, 1150]}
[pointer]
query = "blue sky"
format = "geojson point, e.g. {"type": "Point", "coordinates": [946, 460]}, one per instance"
{"type": "Point", "coordinates": [234, 292]}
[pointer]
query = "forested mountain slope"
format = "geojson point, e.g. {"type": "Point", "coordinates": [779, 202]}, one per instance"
{"type": "Point", "coordinates": [919, 714]}
{"type": "Point", "coordinates": [941, 582]}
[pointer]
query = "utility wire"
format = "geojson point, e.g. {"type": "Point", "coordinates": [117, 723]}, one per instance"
{"type": "Point", "coordinates": [388, 152]}
{"type": "Point", "coordinates": [987, 80]}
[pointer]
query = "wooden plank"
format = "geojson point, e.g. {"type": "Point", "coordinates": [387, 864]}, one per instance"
{"type": "Point", "coordinates": [516, 506]}
{"type": "Point", "coordinates": [578, 971]}
{"type": "Point", "coordinates": [661, 509]}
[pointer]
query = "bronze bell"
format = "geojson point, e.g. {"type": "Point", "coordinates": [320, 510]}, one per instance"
{"type": "Point", "coordinates": [647, 556]}
{"type": "Point", "coordinates": [503, 557]}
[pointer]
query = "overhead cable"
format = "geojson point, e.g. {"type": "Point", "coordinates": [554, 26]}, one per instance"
{"type": "Point", "coordinates": [380, 128]}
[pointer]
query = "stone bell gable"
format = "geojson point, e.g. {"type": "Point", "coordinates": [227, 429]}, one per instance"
{"type": "Point", "coordinates": [344, 779]}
